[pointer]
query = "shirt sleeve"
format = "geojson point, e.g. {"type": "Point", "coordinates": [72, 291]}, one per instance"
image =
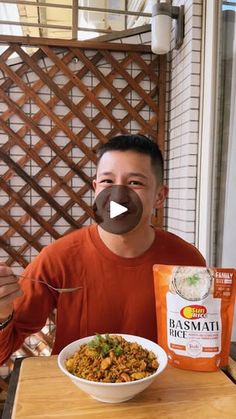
{"type": "Point", "coordinates": [33, 308]}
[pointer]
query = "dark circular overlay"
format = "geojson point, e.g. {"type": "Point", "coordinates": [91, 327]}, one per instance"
{"type": "Point", "coordinates": [110, 201]}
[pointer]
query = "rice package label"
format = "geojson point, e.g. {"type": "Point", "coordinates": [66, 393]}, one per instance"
{"type": "Point", "coordinates": [195, 308]}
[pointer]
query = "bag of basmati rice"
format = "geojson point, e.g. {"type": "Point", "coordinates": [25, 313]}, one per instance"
{"type": "Point", "coordinates": [194, 308]}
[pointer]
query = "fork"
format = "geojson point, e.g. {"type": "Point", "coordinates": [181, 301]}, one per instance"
{"type": "Point", "coordinates": [60, 290]}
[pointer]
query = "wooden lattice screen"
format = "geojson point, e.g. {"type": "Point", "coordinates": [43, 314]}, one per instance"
{"type": "Point", "coordinates": [56, 107]}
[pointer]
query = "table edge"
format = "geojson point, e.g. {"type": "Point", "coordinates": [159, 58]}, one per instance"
{"type": "Point", "coordinates": [9, 402]}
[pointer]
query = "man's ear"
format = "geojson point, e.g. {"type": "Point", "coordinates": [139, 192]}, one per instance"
{"type": "Point", "coordinates": [94, 183]}
{"type": "Point", "coordinates": [161, 196]}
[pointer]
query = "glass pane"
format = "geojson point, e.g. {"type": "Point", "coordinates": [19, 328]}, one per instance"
{"type": "Point", "coordinates": [225, 233]}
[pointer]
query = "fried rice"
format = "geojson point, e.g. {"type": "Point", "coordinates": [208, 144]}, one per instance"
{"type": "Point", "coordinates": [112, 359]}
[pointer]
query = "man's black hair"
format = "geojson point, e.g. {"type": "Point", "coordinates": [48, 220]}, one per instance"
{"type": "Point", "coordinates": [138, 143]}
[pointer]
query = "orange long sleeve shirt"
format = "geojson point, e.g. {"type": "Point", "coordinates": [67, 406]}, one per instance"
{"type": "Point", "coordinates": [117, 294]}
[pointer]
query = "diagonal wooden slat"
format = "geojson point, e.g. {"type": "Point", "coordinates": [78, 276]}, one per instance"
{"type": "Point", "coordinates": [59, 181]}
{"type": "Point", "coordinates": [44, 107]}
{"type": "Point", "coordinates": [53, 191]}
{"type": "Point", "coordinates": [56, 216]}
{"type": "Point", "coordinates": [45, 338]}
{"type": "Point", "coordinates": [40, 232]}
{"type": "Point", "coordinates": [54, 100]}
{"type": "Point", "coordinates": [59, 93]}
{"type": "Point", "coordinates": [89, 94]}
{"type": "Point", "coordinates": [29, 209]}
{"type": "Point", "coordinates": [98, 117]}
{"type": "Point", "coordinates": [114, 91]}
{"type": "Point", "coordinates": [136, 87]}
{"type": "Point", "coordinates": [138, 108]}
{"type": "Point", "coordinates": [34, 185]}
{"type": "Point", "coordinates": [24, 68]}
{"type": "Point", "coordinates": [36, 85]}
{"type": "Point", "coordinates": [97, 71]}
{"type": "Point", "coordinates": [13, 253]}
{"type": "Point", "coordinates": [53, 132]}
{"type": "Point", "coordinates": [47, 138]}
{"type": "Point", "coordinates": [148, 69]}
{"type": "Point", "coordinates": [5, 56]}
{"type": "Point", "coordinates": [16, 226]}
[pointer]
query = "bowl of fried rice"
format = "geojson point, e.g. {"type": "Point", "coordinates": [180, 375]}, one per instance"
{"type": "Point", "coordinates": [112, 368]}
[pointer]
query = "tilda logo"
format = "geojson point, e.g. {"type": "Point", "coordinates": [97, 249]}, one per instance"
{"type": "Point", "coordinates": [193, 312]}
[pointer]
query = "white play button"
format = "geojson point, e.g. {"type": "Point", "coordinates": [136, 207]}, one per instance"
{"type": "Point", "coordinates": [111, 215]}
{"type": "Point", "coordinates": [116, 209]}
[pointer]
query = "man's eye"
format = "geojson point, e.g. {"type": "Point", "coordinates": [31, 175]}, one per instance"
{"type": "Point", "coordinates": [135, 183]}
{"type": "Point", "coordinates": [106, 181]}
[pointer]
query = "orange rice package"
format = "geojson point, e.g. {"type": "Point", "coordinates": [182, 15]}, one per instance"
{"type": "Point", "coordinates": [195, 308]}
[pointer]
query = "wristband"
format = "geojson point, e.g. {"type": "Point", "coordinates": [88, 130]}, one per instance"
{"type": "Point", "coordinates": [4, 323]}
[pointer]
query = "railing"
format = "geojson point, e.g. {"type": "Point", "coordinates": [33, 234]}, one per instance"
{"type": "Point", "coordinates": [72, 17]}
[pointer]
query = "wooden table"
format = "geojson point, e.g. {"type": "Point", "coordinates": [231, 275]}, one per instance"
{"type": "Point", "coordinates": [44, 392]}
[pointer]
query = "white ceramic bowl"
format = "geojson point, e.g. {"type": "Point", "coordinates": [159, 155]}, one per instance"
{"type": "Point", "coordinates": [113, 392]}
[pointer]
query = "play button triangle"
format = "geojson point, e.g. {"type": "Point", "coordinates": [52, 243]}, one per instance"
{"type": "Point", "coordinates": [116, 209]}
{"type": "Point", "coordinates": [114, 217]}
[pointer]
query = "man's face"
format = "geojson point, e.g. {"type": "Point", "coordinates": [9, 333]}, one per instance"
{"type": "Point", "coordinates": [133, 170]}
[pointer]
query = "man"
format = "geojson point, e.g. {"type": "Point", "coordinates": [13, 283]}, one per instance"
{"type": "Point", "coordinates": [114, 269]}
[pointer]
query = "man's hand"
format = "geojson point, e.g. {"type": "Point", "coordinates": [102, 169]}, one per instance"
{"type": "Point", "coordinates": [9, 291]}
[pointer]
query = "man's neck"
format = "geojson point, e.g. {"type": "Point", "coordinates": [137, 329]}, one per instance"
{"type": "Point", "coordinates": [132, 244]}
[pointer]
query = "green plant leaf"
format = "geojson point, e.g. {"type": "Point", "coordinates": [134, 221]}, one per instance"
{"type": "Point", "coordinates": [193, 280]}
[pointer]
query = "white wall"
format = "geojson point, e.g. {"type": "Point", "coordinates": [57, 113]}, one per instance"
{"type": "Point", "coordinates": [183, 125]}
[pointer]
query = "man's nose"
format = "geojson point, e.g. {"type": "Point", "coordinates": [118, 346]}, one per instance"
{"type": "Point", "coordinates": [120, 194]}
